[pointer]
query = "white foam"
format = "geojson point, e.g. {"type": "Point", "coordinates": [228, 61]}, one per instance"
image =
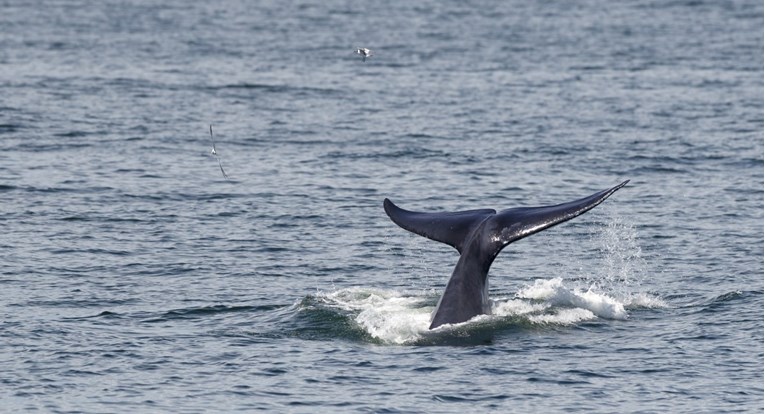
{"type": "Point", "coordinates": [564, 317]}
{"type": "Point", "coordinates": [556, 294]}
{"type": "Point", "coordinates": [390, 316]}
{"type": "Point", "coordinates": [404, 317]}
{"type": "Point", "coordinates": [394, 324]}
{"type": "Point", "coordinates": [644, 300]}
{"type": "Point", "coordinates": [517, 307]}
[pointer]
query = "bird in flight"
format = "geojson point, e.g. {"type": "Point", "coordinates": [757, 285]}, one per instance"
{"type": "Point", "coordinates": [364, 52]}
{"type": "Point", "coordinates": [215, 153]}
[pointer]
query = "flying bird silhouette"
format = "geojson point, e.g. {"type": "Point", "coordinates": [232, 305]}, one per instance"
{"type": "Point", "coordinates": [215, 153]}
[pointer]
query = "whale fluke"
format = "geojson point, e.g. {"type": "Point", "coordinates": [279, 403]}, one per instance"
{"type": "Point", "coordinates": [479, 236]}
{"type": "Point", "coordinates": [450, 228]}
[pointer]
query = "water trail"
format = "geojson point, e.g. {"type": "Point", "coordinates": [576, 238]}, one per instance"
{"type": "Point", "coordinates": [623, 268]}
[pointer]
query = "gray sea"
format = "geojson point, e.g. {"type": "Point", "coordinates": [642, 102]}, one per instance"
{"type": "Point", "coordinates": [134, 277]}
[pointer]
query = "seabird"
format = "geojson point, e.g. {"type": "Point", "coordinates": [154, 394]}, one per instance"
{"type": "Point", "coordinates": [364, 52]}
{"type": "Point", "coordinates": [215, 153]}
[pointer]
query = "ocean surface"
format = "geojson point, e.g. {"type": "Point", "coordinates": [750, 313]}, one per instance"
{"type": "Point", "coordinates": [134, 277]}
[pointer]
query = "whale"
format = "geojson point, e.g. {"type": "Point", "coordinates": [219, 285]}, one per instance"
{"type": "Point", "coordinates": [479, 236]}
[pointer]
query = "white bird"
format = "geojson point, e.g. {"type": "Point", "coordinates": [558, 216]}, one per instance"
{"type": "Point", "coordinates": [215, 153]}
{"type": "Point", "coordinates": [364, 52]}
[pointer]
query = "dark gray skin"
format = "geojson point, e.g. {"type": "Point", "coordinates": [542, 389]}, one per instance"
{"type": "Point", "coordinates": [479, 236]}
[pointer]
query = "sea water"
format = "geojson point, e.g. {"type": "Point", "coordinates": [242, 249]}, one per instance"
{"type": "Point", "coordinates": [136, 278]}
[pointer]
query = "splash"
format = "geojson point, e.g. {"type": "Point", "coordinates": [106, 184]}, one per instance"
{"type": "Point", "coordinates": [553, 293]}
{"type": "Point", "coordinates": [387, 315]}
{"type": "Point", "coordinates": [403, 317]}
{"type": "Point", "coordinates": [622, 268]}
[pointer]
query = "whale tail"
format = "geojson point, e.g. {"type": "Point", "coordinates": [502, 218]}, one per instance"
{"type": "Point", "coordinates": [450, 228]}
{"type": "Point", "coordinates": [479, 236]}
{"type": "Point", "coordinates": [505, 227]}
